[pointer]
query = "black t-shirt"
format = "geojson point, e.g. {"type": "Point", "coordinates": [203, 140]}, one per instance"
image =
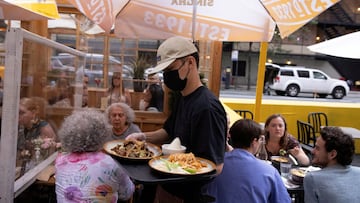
{"type": "Point", "coordinates": [199, 120]}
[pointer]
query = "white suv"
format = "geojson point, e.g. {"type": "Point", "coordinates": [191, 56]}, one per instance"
{"type": "Point", "coordinates": [293, 80]}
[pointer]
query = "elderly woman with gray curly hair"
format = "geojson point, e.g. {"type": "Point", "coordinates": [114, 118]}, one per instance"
{"type": "Point", "coordinates": [83, 172]}
{"type": "Point", "coordinates": [121, 116]}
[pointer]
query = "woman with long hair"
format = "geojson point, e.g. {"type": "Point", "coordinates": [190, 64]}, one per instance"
{"type": "Point", "coordinates": [154, 98]}
{"type": "Point", "coordinates": [117, 92]}
{"type": "Point", "coordinates": [278, 139]}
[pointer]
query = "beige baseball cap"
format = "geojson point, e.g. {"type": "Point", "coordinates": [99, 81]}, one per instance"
{"type": "Point", "coordinates": [172, 49]}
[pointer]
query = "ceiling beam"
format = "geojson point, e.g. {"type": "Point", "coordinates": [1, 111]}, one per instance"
{"type": "Point", "coordinates": [65, 7]}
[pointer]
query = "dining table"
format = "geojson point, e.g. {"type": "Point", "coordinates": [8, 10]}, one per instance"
{"type": "Point", "coordinates": [296, 191]}
{"type": "Point", "coordinates": [354, 132]}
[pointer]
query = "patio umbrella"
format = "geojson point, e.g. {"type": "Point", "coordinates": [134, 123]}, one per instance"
{"type": "Point", "coordinates": [225, 20]}
{"type": "Point", "coordinates": [101, 12]}
{"type": "Point", "coordinates": [345, 46]}
{"type": "Point", "coordinates": [28, 10]}
{"type": "Point", "coordinates": [217, 20]}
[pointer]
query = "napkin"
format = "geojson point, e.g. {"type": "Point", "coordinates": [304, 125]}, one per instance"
{"type": "Point", "coordinates": [175, 144]}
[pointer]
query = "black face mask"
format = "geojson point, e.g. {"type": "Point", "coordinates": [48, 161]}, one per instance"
{"type": "Point", "coordinates": [172, 80]}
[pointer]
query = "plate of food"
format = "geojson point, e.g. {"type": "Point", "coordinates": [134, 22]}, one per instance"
{"type": "Point", "coordinates": [279, 159]}
{"type": "Point", "coordinates": [182, 164]}
{"type": "Point", "coordinates": [132, 150]}
{"type": "Point", "coordinates": [297, 175]}
{"type": "Point", "coordinates": [276, 160]}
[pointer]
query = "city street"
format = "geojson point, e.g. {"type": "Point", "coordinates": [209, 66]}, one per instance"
{"type": "Point", "coordinates": [243, 92]}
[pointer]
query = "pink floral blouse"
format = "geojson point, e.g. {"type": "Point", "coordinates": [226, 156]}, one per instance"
{"type": "Point", "coordinates": [90, 177]}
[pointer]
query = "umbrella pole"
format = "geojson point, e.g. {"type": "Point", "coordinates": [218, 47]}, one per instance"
{"type": "Point", "coordinates": [260, 80]}
{"type": "Point", "coordinates": [193, 26]}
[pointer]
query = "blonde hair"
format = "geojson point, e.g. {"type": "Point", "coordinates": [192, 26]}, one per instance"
{"type": "Point", "coordinates": [35, 104]}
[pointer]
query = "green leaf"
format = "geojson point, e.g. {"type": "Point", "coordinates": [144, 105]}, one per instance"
{"type": "Point", "coordinates": [169, 165]}
{"type": "Point", "coordinates": [190, 170]}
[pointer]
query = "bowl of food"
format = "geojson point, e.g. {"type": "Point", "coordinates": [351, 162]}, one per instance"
{"type": "Point", "coordinates": [276, 160]}
{"type": "Point", "coordinates": [297, 175]}
{"type": "Point", "coordinates": [172, 148]}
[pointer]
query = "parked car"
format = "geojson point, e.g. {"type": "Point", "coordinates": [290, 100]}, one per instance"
{"type": "Point", "coordinates": [56, 64]}
{"type": "Point", "coordinates": [292, 80]}
{"type": "Point", "coordinates": [93, 67]}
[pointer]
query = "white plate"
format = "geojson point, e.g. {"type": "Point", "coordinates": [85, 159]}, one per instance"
{"type": "Point", "coordinates": [159, 165]}
{"type": "Point", "coordinates": [310, 168]}
{"type": "Point", "coordinates": [288, 184]}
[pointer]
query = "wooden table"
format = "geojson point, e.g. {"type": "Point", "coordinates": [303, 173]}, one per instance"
{"type": "Point", "coordinates": [354, 132]}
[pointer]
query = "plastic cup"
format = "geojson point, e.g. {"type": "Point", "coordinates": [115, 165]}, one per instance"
{"type": "Point", "coordinates": [285, 169]}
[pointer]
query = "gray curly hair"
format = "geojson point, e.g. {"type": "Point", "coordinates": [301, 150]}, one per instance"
{"type": "Point", "coordinates": [84, 131]}
{"type": "Point", "coordinates": [128, 111]}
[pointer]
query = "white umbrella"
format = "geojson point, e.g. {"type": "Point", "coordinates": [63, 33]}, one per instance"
{"type": "Point", "coordinates": [216, 20]}
{"type": "Point", "coordinates": [346, 46]}
{"type": "Point", "coordinates": [101, 12]}
{"type": "Point", "coordinates": [219, 20]}
{"type": "Point", "coordinates": [225, 20]}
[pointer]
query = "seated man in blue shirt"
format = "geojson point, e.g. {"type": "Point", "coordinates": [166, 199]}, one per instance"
{"type": "Point", "coordinates": [338, 181]}
{"type": "Point", "coordinates": [245, 178]}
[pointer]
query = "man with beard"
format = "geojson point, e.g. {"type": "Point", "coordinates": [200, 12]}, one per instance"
{"type": "Point", "coordinates": [338, 181]}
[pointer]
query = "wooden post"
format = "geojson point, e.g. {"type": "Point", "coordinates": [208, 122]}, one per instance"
{"type": "Point", "coordinates": [216, 54]}
{"type": "Point", "coordinates": [37, 56]}
{"type": "Point", "coordinates": [260, 80]}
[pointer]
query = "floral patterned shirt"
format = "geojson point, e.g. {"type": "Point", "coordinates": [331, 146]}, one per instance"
{"type": "Point", "coordinates": [90, 177]}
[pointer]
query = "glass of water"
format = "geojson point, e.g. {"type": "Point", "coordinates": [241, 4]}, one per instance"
{"type": "Point", "coordinates": [285, 169]}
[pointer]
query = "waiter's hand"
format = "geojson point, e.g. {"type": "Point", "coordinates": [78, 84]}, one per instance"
{"type": "Point", "coordinates": [136, 136]}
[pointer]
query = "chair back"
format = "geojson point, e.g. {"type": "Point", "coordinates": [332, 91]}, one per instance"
{"type": "Point", "coordinates": [317, 119]}
{"type": "Point", "coordinates": [246, 114]}
{"type": "Point", "coordinates": [306, 133]}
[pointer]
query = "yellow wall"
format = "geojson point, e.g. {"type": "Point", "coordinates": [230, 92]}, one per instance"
{"type": "Point", "coordinates": [339, 114]}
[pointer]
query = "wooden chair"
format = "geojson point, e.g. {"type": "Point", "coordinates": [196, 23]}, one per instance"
{"type": "Point", "coordinates": [306, 136]}
{"type": "Point", "coordinates": [317, 119]}
{"type": "Point", "coordinates": [245, 114]}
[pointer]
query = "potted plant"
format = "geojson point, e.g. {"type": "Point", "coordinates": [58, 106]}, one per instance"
{"type": "Point", "coordinates": [140, 64]}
